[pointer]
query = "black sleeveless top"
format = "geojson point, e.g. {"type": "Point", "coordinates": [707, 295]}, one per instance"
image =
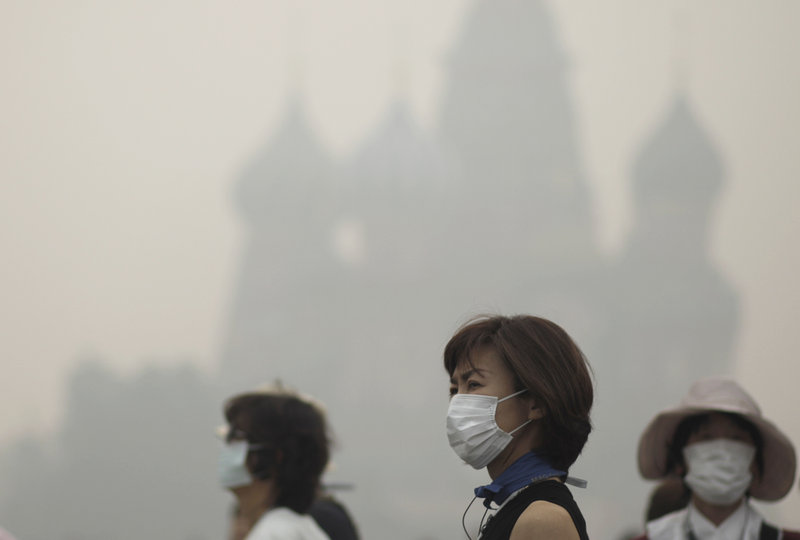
{"type": "Point", "coordinates": [500, 525]}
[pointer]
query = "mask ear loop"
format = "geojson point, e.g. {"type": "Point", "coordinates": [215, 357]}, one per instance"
{"type": "Point", "coordinates": [524, 423]}
{"type": "Point", "coordinates": [464, 517]}
{"type": "Point", "coordinates": [512, 395]}
{"type": "Point", "coordinates": [480, 527]}
{"type": "Point", "coordinates": [519, 427]}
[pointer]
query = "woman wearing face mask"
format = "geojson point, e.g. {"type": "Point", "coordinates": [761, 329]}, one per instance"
{"type": "Point", "coordinates": [276, 447]}
{"type": "Point", "coordinates": [520, 395]}
{"type": "Point", "coordinates": [725, 451]}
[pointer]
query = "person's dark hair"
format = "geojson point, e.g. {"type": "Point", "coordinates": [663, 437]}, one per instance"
{"type": "Point", "coordinates": [292, 439]}
{"type": "Point", "coordinates": [692, 424]}
{"type": "Point", "coordinates": [546, 362]}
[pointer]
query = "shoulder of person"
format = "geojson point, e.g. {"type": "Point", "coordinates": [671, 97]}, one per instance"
{"type": "Point", "coordinates": [666, 526]}
{"type": "Point", "coordinates": [283, 523]}
{"type": "Point", "coordinates": [544, 520]}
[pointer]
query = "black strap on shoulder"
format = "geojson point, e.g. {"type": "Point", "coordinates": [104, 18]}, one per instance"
{"type": "Point", "coordinates": [500, 525]}
{"type": "Point", "coordinates": [768, 532]}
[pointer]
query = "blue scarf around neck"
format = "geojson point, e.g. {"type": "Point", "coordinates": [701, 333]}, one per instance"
{"type": "Point", "coordinates": [526, 470]}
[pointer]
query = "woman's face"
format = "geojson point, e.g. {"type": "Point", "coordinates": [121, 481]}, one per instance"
{"type": "Point", "coordinates": [487, 375]}
{"type": "Point", "coordinates": [721, 426]}
{"type": "Point", "coordinates": [720, 463]}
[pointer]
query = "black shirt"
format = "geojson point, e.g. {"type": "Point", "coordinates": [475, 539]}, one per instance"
{"type": "Point", "coordinates": [333, 518]}
{"type": "Point", "coordinates": [501, 524]}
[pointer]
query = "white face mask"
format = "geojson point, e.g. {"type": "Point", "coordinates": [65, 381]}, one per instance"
{"type": "Point", "coordinates": [231, 465]}
{"type": "Point", "coordinates": [472, 430]}
{"type": "Point", "coordinates": [719, 470]}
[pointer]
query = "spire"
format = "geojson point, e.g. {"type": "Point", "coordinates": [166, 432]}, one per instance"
{"type": "Point", "coordinates": [508, 35]}
{"type": "Point", "coordinates": [508, 125]}
{"type": "Point", "coordinates": [399, 39]}
{"type": "Point", "coordinates": [296, 56]}
{"type": "Point", "coordinates": [291, 167]}
{"type": "Point", "coordinates": [677, 176]}
{"type": "Point", "coordinates": [678, 162]}
{"type": "Point", "coordinates": [399, 153]}
{"type": "Point", "coordinates": [399, 174]}
{"type": "Point", "coordinates": [682, 50]}
{"type": "Point", "coordinates": [506, 106]}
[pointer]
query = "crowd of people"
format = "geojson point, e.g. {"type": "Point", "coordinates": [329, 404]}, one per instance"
{"type": "Point", "coordinates": [521, 392]}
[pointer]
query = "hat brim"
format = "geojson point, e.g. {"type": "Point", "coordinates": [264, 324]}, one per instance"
{"type": "Point", "coordinates": [778, 452]}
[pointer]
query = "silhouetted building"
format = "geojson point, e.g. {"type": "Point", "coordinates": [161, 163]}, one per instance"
{"type": "Point", "coordinates": [672, 317]}
{"type": "Point", "coordinates": [397, 183]}
{"type": "Point", "coordinates": [288, 277]}
{"type": "Point", "coordinates": [508, 120]}
{"type": "Point", "coordinates": [134, 457]}
{"type": "Point", "coordinates": [353, 274]}
{"type": "Point", "coordinates": [675, 314]}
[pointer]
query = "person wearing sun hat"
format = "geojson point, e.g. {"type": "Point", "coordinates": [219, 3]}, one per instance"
{"type": "Point", "coordinates": [725, 451]}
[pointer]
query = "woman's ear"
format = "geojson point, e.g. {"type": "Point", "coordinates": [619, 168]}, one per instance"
{"type": "Point", "coordinates": [535, 413]}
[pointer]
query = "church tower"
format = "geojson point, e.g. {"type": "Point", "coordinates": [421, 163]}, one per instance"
{"type": "Point", "coordinates": [286, 198]}
{"type": "Point", "coordinates": [669, 293]}
{"type": "Point", "coordinates": [398, 180]}
{"type": "Point", "coordinates": [672, 316]}
{"type": "Point", "coordinates": [520, 195]}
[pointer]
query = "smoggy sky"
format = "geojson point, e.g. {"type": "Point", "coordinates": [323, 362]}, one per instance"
{"type": "Point", "coordinates": [126, 123]}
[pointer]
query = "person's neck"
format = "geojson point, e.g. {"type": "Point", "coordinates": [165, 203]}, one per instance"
{"type": "Point", "coordinates": [503, 461]}
{"type": "Point", "coordinates": [521, 445]}
{"type": "Point", "coordinates": [254, 501]}
{"type": "Point", "coordinates": [715, 513]}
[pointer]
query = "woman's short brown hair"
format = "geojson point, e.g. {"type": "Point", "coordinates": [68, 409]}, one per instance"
{"type": "Point", "coordinates": [545, 361]}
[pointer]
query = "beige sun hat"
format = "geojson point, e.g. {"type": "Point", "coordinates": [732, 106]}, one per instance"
{"type": "Point", "coordinates": [721, 395]}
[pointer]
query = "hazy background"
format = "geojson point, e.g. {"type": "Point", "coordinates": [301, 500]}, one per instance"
{"type": "Point", "coordinates": [131, 241]}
